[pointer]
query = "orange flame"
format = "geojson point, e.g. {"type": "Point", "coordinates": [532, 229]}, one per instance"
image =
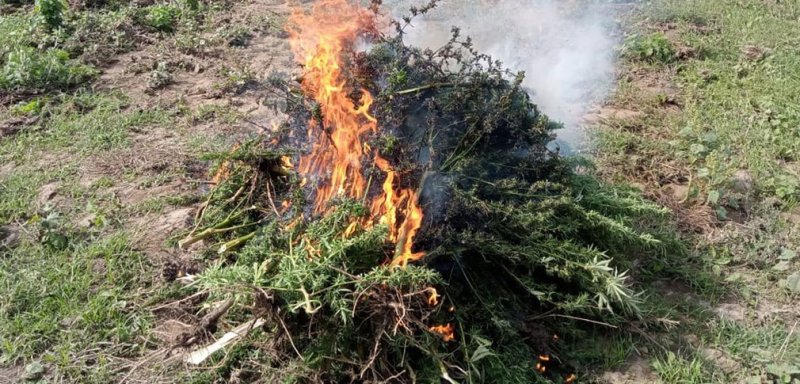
{"type": "Point", "coordinates": [405, 201]}
{"type": "Point", "coordinates": [446, 331]}
{"type": "Point", "coordinates": [319, 40]}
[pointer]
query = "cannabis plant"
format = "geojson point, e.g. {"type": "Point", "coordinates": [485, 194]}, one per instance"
{"type": "Point", "coordinates": [51, 12]}
{"type": "Point", "coordinates": [520, 243]}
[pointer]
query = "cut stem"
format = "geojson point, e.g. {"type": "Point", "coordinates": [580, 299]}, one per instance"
{"type": "Point", "coordinates": [236, 243]}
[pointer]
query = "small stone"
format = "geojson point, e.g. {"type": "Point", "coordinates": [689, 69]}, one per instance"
{"type": "Point", "coordinates": [638, 186]}
{"type": "Point", "coordinates": [679, 192]}
{"type": "Point", "coordinates": [9, 237]}
{"type": "Point", "coordinates": [731, 311]}
{"type": "Point", "coordinates": [87, 221]}
{"type": "Point", "coordinates": [47, 193]}
{"type": "Point", "coordinates": [99, 267]}
{"type": "Point", "coordinates": [742, 182]}
{"type": "Point", "coordinates": [792, 216]}
{"type": "Point", "coordinates": [721, 360]}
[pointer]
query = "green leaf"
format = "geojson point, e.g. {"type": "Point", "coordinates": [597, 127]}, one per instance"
{"type": "Point", "coordinates": [713, 197]}
{"type": "Point", "coordinates": [793, 282]}
{"type": "Point", "coordinates": [480, 353]}
{"type": "Point", "coordinates": [34, 371]}
{"type": "Point", "coordinates": [722, 213]}
{"type": "Point", "coordinates": [784, 372]}
{"type": "Point", "coordinates": [483, 350]}
{"type": "Point", "coordinates": [787, 254]}
{"type": "Point", "coordinates": [782, 266]}
{"type": "Point", "coordinates": [697, 148]}
{"type": "Point", "coordinates": [734, 277]}
{"type": "Point", "coordinates": [724, 260]}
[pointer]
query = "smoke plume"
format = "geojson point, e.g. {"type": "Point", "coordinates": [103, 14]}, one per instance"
{"type": "Point", "coordinates": [566, 49]}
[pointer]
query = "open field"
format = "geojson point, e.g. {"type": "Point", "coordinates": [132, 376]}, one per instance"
{"type": "Point", "coordinates": [111, 112]}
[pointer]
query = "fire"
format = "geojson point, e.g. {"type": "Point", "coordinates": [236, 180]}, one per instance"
{"type": "Point", "coordinates": [447, 332]}
{"type": "Point", "coordinates": [433, 296]}
{"type": "Point", "coordinates": [318, 41]}
{"type": "Point", "coordinates": [387, 206]}
{"type": "Point", "coordinates": [338, 154]}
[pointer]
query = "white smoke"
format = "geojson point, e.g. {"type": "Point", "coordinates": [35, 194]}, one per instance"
{"type": "Point", "coordinates": [565, 49]}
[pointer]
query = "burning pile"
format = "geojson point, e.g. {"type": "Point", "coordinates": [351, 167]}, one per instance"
{"type": "Point", "coordinates": [400, 150]}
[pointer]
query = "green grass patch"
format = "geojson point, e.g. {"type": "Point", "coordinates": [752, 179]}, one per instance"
{"type": "Point", "coordinates": [62, 298]}
{"type": "Point", "coordinates": [769, 343]}
{"type": "Point", "coordinates": [742, 100]}
{"type": "Point", "coordinates": [676, 369]}
{"type": "Point", "coordinates": [85, 123]}
{"type": "Point", "coordinates": [18, 191]}
{"type": "Point", "coordinates": [718, 93]}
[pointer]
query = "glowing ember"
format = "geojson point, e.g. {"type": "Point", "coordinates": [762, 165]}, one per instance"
{"type": "Point", "coordinates": [433, 296]}
{"type": "Point", "coordinates": [446, 331]}
{"type": "Point", "coordinates": [338, 154]}
{"type": "Point", "coordinates": [224, 170]}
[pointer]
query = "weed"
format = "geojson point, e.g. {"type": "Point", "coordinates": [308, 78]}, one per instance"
{"type": "Point", "coordinates": [17, 30]}
{"type": "Point", "coordinates": [193, 5]}
{"type": "Point", "coordinates": [237, 37]}
{"type": "Point", "coordinates": [194, 43]}
{"type": "Point", "coordinates": [236, 79]}
{"type": "Point", "coordinates": [159, 77]}
{"type": "Point", "coordinates": [731, 146]}
{"type": "Point", "coordinates": [29, 68]}
{"type": "Point", "coordinates": [51, 11]}
{"type": "Point", "coordinates": [271, 25]}
{"type": "Point", "coordinates": [211, 112]}
{"type": "Point", "coordinates": [762, 345]}
{"type": "Point", "coordinates": [162, 17]}
{"type": "Point", "coordinates": [654, 48]}
{"type": "Point", "coordinates": [98, 35]}
{"type": "Point", "coordinates": [32, 107]}
{"type": "Point", "coordinates": [17, 194]}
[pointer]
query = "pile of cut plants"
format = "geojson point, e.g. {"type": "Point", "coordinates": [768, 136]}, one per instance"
{"type": "Point", "coordinates": [408, 223]}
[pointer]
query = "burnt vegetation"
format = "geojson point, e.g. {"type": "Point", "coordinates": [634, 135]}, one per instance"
{"type": "Point", "coordinates": [526, 253]}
